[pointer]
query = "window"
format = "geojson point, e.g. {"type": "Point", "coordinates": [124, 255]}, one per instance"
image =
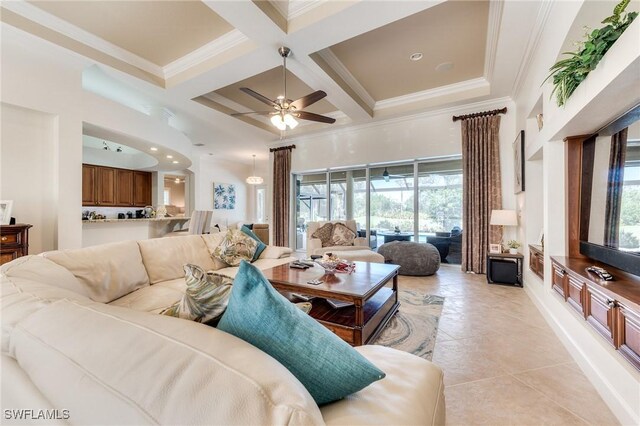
{"type": "Point", "coordinates": [167, 197]}
{"type": "Point", "coordinates": [261, 198]}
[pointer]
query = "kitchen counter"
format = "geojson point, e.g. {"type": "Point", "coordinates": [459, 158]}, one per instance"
{"type": "Point", "coordinates": [103, 231]}
{"type": "Point", "coordinates": [153, 219]}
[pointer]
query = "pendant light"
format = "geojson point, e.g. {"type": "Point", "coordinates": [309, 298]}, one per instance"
{"type": "Point", "coordinates": [253, 179]}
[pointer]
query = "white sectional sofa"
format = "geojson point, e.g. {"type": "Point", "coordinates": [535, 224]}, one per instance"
{"type": "Point", "coordinates": [81, 333]}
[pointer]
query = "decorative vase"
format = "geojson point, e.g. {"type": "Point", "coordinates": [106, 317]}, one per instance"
{"type": "Point", "coordinates": [540, 119]}
{"type": "Point", "coordinates": [161, 211]}
{"type": "Point", "coordinates": [513, 251]}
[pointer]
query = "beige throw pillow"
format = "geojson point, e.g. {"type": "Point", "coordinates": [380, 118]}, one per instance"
{"type": "Point", "coordinates": [324, 234]}
{"type": "Point", "coordinates": [342, 235]}
{"type": "Point", "coordinates": [236, 247]}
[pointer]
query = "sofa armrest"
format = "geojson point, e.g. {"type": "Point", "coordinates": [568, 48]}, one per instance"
{"type": "Point", "coordinates": [313, 245]}
{"type": "Point", "coordinates": [275, 252]}
{"type": "Point", "coordinates": [361, 242]}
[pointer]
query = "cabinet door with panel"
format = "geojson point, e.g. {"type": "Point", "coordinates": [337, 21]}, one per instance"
{"type": "Point", "coordinates": [559, 280]}
{"type": "Point", "coordinates": [600, 311]}
{"type": "Point", "coordinates": [575, 294]}
{"type": "Point", "coordinates": [106, 186]}
{"type": "Point", "coordinates": [89, 185]}
{"type": "Point", "coordinates": [628, 325]}
{"type": "Point", "coordinates": [141, 189]}
{"type": "Point", "coordinates": [124, 187]}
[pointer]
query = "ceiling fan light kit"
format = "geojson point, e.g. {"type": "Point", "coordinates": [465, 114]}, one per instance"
{"type": "Point", "coordinates": [285, 111]}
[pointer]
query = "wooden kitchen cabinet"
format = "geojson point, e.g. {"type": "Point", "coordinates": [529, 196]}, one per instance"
{"type": "Point", "coordinates": [576, 290]}
{"type": "Point", "coordinates": [113, 187]}
{"type": "Point", "coordinates": [124, 187]}
{"type": "Point", "coordinates": [141, 189]}
{"type": "Point", "coordinates": [559, 279]}
{"type": "Point", "coordinates": [89, 185]}
{"type": "Point", "coordinates": [536, 260]}
{"type": "Point", "coordinates": [628, 327]}
{"type": "Point", "coordinates": [106, 186]}
{"type": "Point", "coordinates": [599, 311]}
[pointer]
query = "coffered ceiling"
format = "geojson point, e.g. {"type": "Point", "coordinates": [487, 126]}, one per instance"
{"type": "Point", "coordinates": [159, 31]}
{"type": "Point", "coordinates": [193, 56]}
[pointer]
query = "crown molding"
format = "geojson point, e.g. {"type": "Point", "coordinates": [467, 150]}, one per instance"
{"type": "Point", "coordinates": [460, 109]}
{"type": "Point", "coordinates": [213, 48]}
{"type": "Point", "coordinates": [532, 46]}
{"type": "Point", "coordinates": [300, 7]}
{"type": "Point", "coordinates": [63, 27]}
{"type": "Point", "coordinates": [462, 86]}
{"type": "Point", "coordinates": [332, 60]}
{"type": "Point", "coordinates": [493, 33]}
{"type": "Point", "coordinates": [281, 7]}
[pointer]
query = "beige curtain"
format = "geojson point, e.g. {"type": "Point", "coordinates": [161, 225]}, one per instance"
{"type": "Point", "coordinates": [281, 196]}
{"type": "Point", "coordinates": [481, 189]}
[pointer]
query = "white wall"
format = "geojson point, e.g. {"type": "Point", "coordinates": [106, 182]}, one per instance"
{"type": "Point", "coordinates": [210, 171]}
{"type": "Point", "coordinates": [29, 179]}
{"type": "Point", "coordinates": [544, 204]}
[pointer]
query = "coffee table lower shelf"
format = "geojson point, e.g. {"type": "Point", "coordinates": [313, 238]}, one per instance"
{"type": "Point", "coordinates": [341, 321]}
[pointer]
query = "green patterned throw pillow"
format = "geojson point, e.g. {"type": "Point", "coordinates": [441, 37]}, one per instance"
{"type": "Point", "coordinates": [236, 247]}
{"type": "Point", "coordinates": [206, 296]}
{"type": "Point", "coordinates": [326, 365]}
{"type": "Point", "coordinates": [261, 246]}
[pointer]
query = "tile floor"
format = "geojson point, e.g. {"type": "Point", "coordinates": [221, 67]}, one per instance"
{"type": "Point", "coordinates": [503, 364]}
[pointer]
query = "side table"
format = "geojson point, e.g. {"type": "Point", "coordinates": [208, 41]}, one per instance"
{"type": "Point", "coordinates": [505, 269]}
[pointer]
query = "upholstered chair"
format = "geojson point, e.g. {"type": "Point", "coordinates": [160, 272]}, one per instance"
{"type": "Point", "coordinates": [198, 224]}
{"type": "Point", "coordinates": [314, 245]}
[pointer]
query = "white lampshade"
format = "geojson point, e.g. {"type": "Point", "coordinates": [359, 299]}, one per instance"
{"type": "Point", "coordinates": [254, 180]}
{"type": "Point", "coordinates": [504, 218]}
{"type": "Point", "coordinates": [290, 121]}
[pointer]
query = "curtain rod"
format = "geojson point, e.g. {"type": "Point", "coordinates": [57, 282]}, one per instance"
{"type": "Point", "coordinates": [281, 148]}
{"type": "Point", "coordinates": [480, 114]}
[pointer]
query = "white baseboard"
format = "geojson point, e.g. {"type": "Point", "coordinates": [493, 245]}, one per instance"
{"type": "Point", "coordinates": [605, 387]}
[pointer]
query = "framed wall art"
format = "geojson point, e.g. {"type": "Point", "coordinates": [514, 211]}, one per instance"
{"type": "Point", "coordinates": [224, 196]}
{"type": "Point", "coordinates": [518, 162]}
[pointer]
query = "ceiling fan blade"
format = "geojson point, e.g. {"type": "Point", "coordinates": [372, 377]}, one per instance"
{"type": "Point", "coordinates": [253, 112]}
{"type": "Point", "coordinates": [314, 117]}
{"type": "Point", "coordinates": [258, 96]}
{"type": "Point", "coordinates": [310, 99]}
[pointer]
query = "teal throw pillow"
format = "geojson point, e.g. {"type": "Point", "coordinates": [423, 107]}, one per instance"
{"type": "Point", "coordinates": [326, 365]}
{"type": "Point", "coordinates": [261, 245]}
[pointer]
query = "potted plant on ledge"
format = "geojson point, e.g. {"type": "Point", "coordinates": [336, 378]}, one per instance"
{"type": "Point", "coordinates": [513, 246]}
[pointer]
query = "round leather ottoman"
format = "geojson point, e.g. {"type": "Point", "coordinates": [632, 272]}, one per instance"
{"type": "Point", "coordinates": [364, 255]}
{"type": "Point", "coordinates": [417, 259]}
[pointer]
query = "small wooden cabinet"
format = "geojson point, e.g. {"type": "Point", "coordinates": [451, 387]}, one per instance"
{"type": "Point", "coordinates": [112, 187]}
{"type": "Point", "coordinates": [536, 260]}
{"type": "Point", "coordinates": [14, 241]}
{"type": "Point", "coordinates": [612, 308]}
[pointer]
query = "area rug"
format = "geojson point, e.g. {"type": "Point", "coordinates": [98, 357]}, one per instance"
{"type": "Point", "coordinates": [414, 328]}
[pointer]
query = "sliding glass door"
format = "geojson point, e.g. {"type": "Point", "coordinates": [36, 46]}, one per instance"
{"type": "Point", "coordinates": [419, 201]}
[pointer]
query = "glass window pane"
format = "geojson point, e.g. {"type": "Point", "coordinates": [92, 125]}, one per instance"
{"type": "Point", "coordinates": [392, 212]}
{"type": "Point", "coordinates": [311, 204]}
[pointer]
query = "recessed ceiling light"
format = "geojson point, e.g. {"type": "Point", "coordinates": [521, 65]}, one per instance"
{"type": "Point", "coordinates": [169, 156]}
{"type": "Point", "coordinates": [445, 66]}
{"type": "Point", "coordinates": [211, 153]}
{"type": "Point", "coordinates": [175, 162]}
{"type": "Point", "coordinates": [198, 144]}
{"type": "Point", "coordinates": [415, 56]}
{"type": "Point", "coordinates": [153, 148]}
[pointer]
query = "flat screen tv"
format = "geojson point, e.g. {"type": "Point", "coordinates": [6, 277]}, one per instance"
{"type": "Point", "coordinates": [610, 194]}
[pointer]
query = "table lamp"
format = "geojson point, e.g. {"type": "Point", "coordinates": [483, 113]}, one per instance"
{"type": "Point", "coordinates": [503, 218]}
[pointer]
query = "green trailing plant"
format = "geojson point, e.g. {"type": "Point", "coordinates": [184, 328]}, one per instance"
{"type": "Point", "coordinates": [568, 73]}
{"type": "Point", "coordinates": [513, 244]}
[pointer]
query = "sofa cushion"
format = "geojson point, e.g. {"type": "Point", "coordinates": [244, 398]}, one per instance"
{"type": "Point", "coordinates": [165, 257]}
{"type": "Point", "coordinates": [262, 264]}
{"type": "Point", "coordinates": [42, 270]}
{"type": "Point", "coordinates": [236, 247]}
{"type": "Point", "coordinates": [21, 297]}
{"type": "Point", "coordinates": [212, 241]}
{"type": "Point", "coordinates": [107, 271]}
{"type": "Point", "coordinates": [324, 234]}
{"type": "Point", "coordinates": [326, 365]}
{"type": "Point", "coordinates": [153, 298]}
{"type": "Point", "coordinates": [342, 236]}
{"type": "Point", "coordinates": [275, 252]}
{"type": "Point", "coordinates": [261, 245]}
{"type": "Point", "coordinates": [120, 366]}
{"type": "Point", "coordinates": [206, 296]}
{"type": "Point", "coordinates": [411, 394]}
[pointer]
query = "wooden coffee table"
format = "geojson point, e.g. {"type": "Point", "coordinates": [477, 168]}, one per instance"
{"type": "Point", "coordinates": [374, 303]}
